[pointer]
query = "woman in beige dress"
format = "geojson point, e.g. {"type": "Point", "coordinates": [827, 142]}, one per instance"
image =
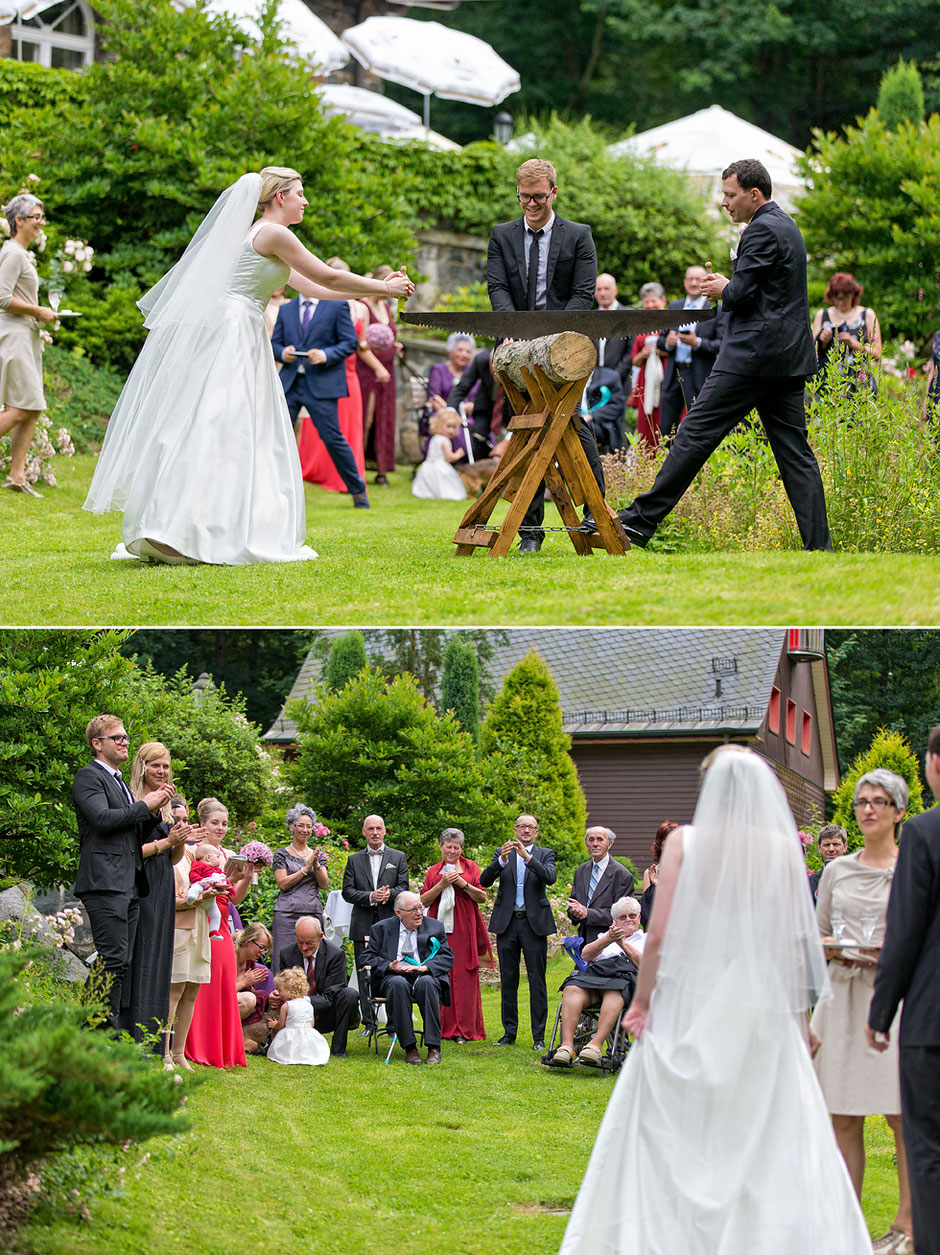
{"type": "Point", "coordinates": [192, 962]}
{"type": "Point", "coordinates": [21, 394]}
{"type": "Point", "coordinates": [850, 907]}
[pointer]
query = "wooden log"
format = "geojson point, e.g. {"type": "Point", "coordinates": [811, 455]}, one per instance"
{"type": "Point", "coordinates": [562, 358]}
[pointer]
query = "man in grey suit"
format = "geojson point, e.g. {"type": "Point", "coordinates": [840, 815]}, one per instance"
{"type": "Point", "coordinates": [111, 827]}
{"type": "Point", "coordinates": [522, 921]}
{"type": "Point", "coordinates": [909, 970]}
{"type": "Point", "coordinates": [597, 885]}
{"type": "Point", "coordinates": [373, 879]}
{"type": "Point", "coordinates": [542, 261]}
{"type": "Point", "coordinates": [765, 358]}
{"type": "Point", "coordinates": [392, 943]}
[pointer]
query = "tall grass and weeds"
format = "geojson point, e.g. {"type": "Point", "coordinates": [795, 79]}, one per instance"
{"type": "Point", "coordinates": [880, 464]}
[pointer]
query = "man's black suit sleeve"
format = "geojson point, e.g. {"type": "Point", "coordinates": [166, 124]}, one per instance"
{"type": "Point", "coordinates": [584, 273]}
{"type": "Point", "coordinates": [358, 897]}
{"type": "Point", "coordinates": [910, 908]}
{"type": "Point", "coordinates": [543, 867]}
{"type": "Point", "coordinates": [757, 251]}
{"type": "Point", "coordinates": [497, 275]}
{"type": "Point", "coordinates": [401, 882]}
{"type": "Point", "coordinates": [90, 796]}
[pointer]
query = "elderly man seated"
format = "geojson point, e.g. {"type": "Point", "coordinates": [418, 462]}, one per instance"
{"type": "Point", "coordinates": [409, 960]}
{"type": "Point", "coordinates": [612, 960]}
{"type": "Point", "coordinates": [335, 1005]}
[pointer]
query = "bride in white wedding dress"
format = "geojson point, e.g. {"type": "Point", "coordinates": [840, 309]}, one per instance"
{"type": "Point", "coordinates": [716, 1139]}
{"type": "Point", "coordinates": [200, 453]}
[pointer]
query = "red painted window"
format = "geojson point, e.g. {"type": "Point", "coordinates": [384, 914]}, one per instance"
{"type": "Point", "coordinates": [806, 733]}
{"type": "Point", "coordinates": [773, 714]}
{"type": "Point", "coordinates": [791, 722]}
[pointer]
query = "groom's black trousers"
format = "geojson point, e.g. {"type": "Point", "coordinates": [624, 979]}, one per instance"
{"type": "Point", "coordinates": [920, 1107]}
{"type": "Point", "coordinates": [724, 400]}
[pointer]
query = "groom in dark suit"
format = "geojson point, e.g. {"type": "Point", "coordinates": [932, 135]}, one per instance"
{"type": "Point", "coordinates": [313, 338]}
{"type": "Point", "coordinates": [411, 935]}
{"type": "Point", "coordinates": [541, 261]}
{"type": "Point", "coordinates": [111, 828]}
{"type": "Point", "coordinates": [765, 358]}
{"type": "Point", "coordinates": [909, 970]}
{"type": "Point", "coordinates": [522, 921]}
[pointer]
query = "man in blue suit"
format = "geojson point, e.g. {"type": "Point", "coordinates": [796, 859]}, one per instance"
{"type": "Point", "coordinates": [313, 338]}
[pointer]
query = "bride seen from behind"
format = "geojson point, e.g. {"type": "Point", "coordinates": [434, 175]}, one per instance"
{"type": "Point", "coordinates": [716, 1137]}
{"type": "Point", "coordinates": [200, 453]}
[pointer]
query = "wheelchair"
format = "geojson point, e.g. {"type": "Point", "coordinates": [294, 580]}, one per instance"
{"type": "Point", "coordinates": [616, 1044]}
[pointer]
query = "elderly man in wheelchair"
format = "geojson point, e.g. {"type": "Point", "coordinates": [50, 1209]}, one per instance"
{"type": "Point", "coordinates": [607, 982]}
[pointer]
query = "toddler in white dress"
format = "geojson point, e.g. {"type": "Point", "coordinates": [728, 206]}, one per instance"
{"type": "Point", "coordinates": [436, 478]}
{"type": "Point", "coordinates": [294, 1039]}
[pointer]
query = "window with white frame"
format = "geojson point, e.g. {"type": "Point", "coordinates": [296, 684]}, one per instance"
{"type": "Point", "coordinates": [61, 35]}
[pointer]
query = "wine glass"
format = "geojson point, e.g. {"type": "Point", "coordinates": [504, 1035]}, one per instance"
{"type": "Point", "coordinates": [838, 927]}
{"type": "Point", "coordinates": [55, 300]}
{"type": "Point", "coordinates": [869, 923]}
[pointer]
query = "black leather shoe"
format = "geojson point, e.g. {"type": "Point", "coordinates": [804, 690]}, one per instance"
{"type": "Point", "coordinates": [339, 1054]}
{"type": "Point", "coordinates": [539, 1046]}
{"type": "Point", "coordinates": [588, 526]}
{"type": "Point", "coordinates": [506, 1040]}
{"type": "Point", "coordinates": [635, 538]}
{"type": "Point", "coordinates": [361, 501]}
{"type": "Point", "coordinates": [530, 544]}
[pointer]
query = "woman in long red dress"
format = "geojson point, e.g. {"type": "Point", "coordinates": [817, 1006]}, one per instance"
{"type": "Point", "coordinates": [215, 1036]}
{"type": "Point", "coordinates": [378, 395]}
{"type": "Point", "coordinates": [648, 358]}
{"type": "Point", "coordinates": [316, 465]}
{"type": "Point", "coordinates": [452, 893]}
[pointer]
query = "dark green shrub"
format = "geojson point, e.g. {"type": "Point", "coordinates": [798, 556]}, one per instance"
{"type": "Point", "coordinates": [901, 95]}
{"type": "Point", "coordinates": [80, 395]}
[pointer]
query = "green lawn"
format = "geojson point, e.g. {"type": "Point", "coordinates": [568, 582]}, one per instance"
{"type": "Point", "coordinates": [476, 1157]}
{"type": "Point", "coordinates": [395, 565]}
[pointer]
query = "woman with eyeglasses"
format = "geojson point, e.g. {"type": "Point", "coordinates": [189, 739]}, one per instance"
{"type": "Point", "coordinates": [850, 908]}
{"type": "Point", "coordinates": [609, 982]}
{"type": "Point", "coordinates": [302, 874]}
{"type": "Point", "coordinates": [21, 393]}
{"type": "Point", "coordinates": [254, 984]}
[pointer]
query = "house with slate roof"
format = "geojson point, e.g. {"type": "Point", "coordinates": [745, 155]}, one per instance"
{"type": "Point", "coordinates": [643, 707]}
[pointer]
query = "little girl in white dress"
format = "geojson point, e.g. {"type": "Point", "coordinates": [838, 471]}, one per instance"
{"type": "Point", "coordinates": [436, 478]}
{"type": "Point", "coordinates": [294, 1038]}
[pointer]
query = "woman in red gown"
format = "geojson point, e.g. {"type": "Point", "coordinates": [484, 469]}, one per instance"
{"type": "Point", "coordinates": [378, 395]}
{"type": "Point", "coordinates": [452, 893]}
{"type": "Point", "coordinates": [652, 296]}
{"type": "Point", "coordinates": [215, 1037]}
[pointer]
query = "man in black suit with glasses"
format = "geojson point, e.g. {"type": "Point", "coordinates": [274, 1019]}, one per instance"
{"type": "Point", "coordinates": [542, 261]}
{"type": "Point", "coordinates": [112, 825]}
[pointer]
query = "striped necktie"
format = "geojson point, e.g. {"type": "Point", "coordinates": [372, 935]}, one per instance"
{"type": "Point", "coordinates": [595, 877]}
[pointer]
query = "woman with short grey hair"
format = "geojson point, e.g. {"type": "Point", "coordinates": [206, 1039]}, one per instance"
{"type": "Point", "coordinates": [301, 875]}
{"type": "Point", "coordinates": [21, 392]}
{"type": "Point", "coordinates": [452, 893]}
{"type": "Point", "coordinates": [441, 379]}
{"type": "Point", "coordinates": [851, 904]}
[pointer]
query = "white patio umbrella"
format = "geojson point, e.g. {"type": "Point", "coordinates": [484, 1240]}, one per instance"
{"type": "Point", "coordinates": [705, 143]}
{"type": "Point", "coordinates": [432, 59]}
{"type": "Point", "coordinates": [368, 110]}
{"type": "Point", "coordinates": [312, 37]}
{"type": "Point", "coordinates": [10, 9]}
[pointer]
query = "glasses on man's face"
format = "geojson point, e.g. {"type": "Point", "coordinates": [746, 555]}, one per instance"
{"type": "Point", "coordinates": [529, 827]}
{"type": "Point", "coordinates": [121, 739]}
{"type": "Point", "coordinates": [533, 198]}
{"type": "Point", "coordinates": [876, 803]}
{"type": "Point", "coordinates": [412, 910]}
